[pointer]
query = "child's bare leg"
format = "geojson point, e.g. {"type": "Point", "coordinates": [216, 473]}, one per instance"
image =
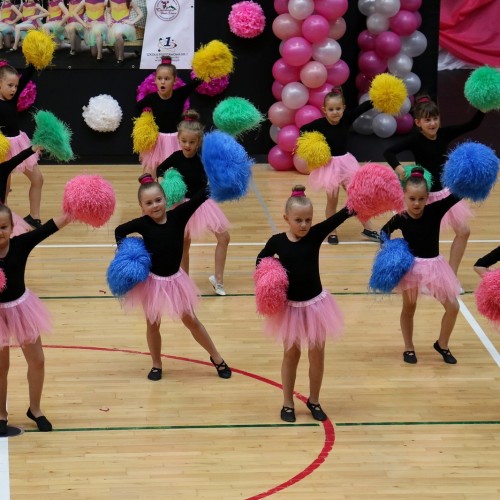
{"type": "Point", "coordinates": [289, 365]}
{"type": "Point", "coordinates": [4, 371]}
{"type": "Point", "coordinates": [451, 309]}
{"type": "Point", "coordinates": [153, 337]}
{"type": "Point", "coordinates": [35, 193]}
{"type": "Point", "coordinates": [35, 358]}
{"type": "Point", "coordinates": [316, 370]}
{"type": "Point", "coordinates": [458, 246]}
{"type": "Point", "coordinates": [332, 200]}
{"type": "Point", "coordinates": [406, 319]}
{"type": "Point", "coordinates": [220, 255]}
{"type": "Point", "coordinates": [200, 334]}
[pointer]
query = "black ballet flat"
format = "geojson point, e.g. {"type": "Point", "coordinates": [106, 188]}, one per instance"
{"type": "Point", "coordinates": [3, 427]}
{"type": "Point", "coordinates": [222, 369]}
{"type": "Point", "coordinates": [41, 422]}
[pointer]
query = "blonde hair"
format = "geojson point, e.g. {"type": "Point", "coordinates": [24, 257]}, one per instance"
{"type": "Point", "coordinates": [298, 197]}
{"type": "Point", "coordinates": [191, 123]}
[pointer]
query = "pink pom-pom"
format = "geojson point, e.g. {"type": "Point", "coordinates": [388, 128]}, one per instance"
{"type": "Point", "coordinates": [3, 281]}
{"type": "Point", "coordinates": [27, 97]}
{"type": "Point", "coordinates": [89, 199]}
{"type": "Point", "coordinates": [247, 19]}
{"type": "Point", "coordinates": [487, 296]}
{"type": "Point", "coordinates": [148, 86]}
{"type": "Point", "coordinates": [374, 190]}
{"type": "Point", "coordinates": [214, 87]}
{"type": "Point", "coordinates": [271, 285]}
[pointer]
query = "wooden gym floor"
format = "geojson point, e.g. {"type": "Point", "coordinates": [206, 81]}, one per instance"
{"type": "Point", "coordinates": [397, 431]}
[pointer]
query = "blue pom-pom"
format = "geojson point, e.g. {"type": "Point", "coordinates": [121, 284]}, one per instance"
{"type": "Point", "coordinates": [227, 165]}
{"type": "Point", "coordinates": [391, 263]}
{"type": "Point", "coordinates": [129, 267]}
{"type": "Point", "coordinates": [471, 171]}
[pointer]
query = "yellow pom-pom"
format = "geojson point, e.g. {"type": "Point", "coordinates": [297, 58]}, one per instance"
{"type": "Point", "coordinates": [213, 60]}
{"type": "Point", "coordinates": [38, 49]}
{"type": "Point", "coordinates": [145, 132]}
{"type": "Point", "coordinates": [4, 147]}
{"type": "Point", "coordinates": [387, 93]}
{"type": "Point", "coordinates": [313, 148]}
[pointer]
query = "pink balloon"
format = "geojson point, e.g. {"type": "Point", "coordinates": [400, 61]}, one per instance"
{"type": "Point", "coordinates": [404, 23]}
{"type": "Point", "coordinates": [297, 51]}
{"type": "Point", "coordinates": [276, 89]}
{"type": "Point", "coordinates": [294, 95]}
{"type": "Point", "coordinates": [287, 138]}
{"type": "Point", "coordinates": [280, 115]}
{"type": "Point", "coordinates": [331, 9]}
{"type": "Point", "coordinates": [338, 73]}
{"type": "Point", "coordinates": [315, 28]}
{"type": "Point", "coordinates": [366, 40]}
{"type": "Point", "coordinates": [412, 5]}
{"type": "Point", "coordinates": [387, 44]}
{"type": "Point", "coordinates": [419, 19]}
{"type": "Point", "coordinates": [313, 74]}
{"type": "Point", "coordinates": [285, 27]}
{"type": "Point", "coordinates": [370, 63]}
{"type": "Point", "coordinates": [279, 159]}
{"type": "Point", "coordinates": [300, 164]}
{"type": "Point", "coordinates": [404, 123]}
{"type": "Point", "coordinates": [317, 96]}
{"type": "Point", "coordinates": [363, 82]}
{"type": "Point", "coordinates": [337, 29]}
{"type": "Point", "coordinates": [285, 73]}
{"type": "Point", "coordinates": [307, 114]}
{"type": "Point", "coordinates": [281, 6]}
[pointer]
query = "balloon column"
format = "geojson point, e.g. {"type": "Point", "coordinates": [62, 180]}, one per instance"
{"type": "Point", "coordinates": [389, 43]}
{"type": "Point", "coordinates": [309, 67]}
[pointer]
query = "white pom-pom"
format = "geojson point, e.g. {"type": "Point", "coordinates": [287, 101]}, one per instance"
{"type": "Point", "coordinates": [103, 113]}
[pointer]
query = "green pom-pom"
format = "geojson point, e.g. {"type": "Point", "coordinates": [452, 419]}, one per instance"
{"type": "Point", "coordinates": [53, 135]}
{"type": "Point", "coordinates": [236, 115]}
{"type": "Point", "coordinates": [174, 186]}
{"type": "Point", "coordinates": [427, 176]}
{"type": "Point", "coordinates": [482, 88]}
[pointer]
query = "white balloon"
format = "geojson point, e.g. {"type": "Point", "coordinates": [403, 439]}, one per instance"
{"type": "Point", "coordinates": [400, 65]}
{"type": "Point", "coordinates": [387, 8]}
{"type": "Point", "coordinates": [384, 125]}
{"type": "Point", "coordinates": [364, 97]}
{"type": "Point", "coordinates": [273, 132]}
{"type": "Point", "coordinates": [414, 45]}
{"type": "Point", "coordinates": [366, 7]}
{"type": "Point", "coordinates": [300, 9]}
{"type": "Point", "coordinates": [377, 23]}
{"type": "Point", "coordinates": [294, 95]}
{"type": "Point", "coordinates": [327, 52]}
{"type": "Point", "coordinates": [412, 83]}
{"type": "Point", "coordinates": [405, 108]}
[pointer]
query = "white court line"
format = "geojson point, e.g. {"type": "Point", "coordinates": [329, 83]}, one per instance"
{"type": "Point", "coordinates": [479, 332]}
{"type": "Point", "coordinates": [4, 469]}
{"type": "Point", "coordinates": [234, 244]}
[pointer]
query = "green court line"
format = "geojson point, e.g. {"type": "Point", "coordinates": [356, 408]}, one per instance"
{"type": "Point", "coordinates": [458, 422]}
{"type": "Point", "coordinates": [177, 427]}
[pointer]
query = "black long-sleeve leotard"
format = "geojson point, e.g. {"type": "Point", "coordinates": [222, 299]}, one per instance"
{"type": "Point", "coordinates": [489, 259]}
{"type": "Point", "coordinates": [431, 154]}
{"type": "Point", "coordinates": [191, 169]}
{"type": "Point", "coordinates": [8, 166]}
{"type": "Point", "coordinates": [164, 242]}
{"type": "Point", "coordinates": [301, 258]}
{"type": "Point", "coordinates": [422, 234]}
{"type": "Point", "coordinates": [168, 112]}
{"type": "Point", "coordinates": [336, 135]}
{"type": "Point", "coordinates": [9, 116]}
{"type": "Point", "coordinates": [14, 263]}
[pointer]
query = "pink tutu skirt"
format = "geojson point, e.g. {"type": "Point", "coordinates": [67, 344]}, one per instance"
{"type": "Point", "coordinates": [306, 323]}
{"type": "Point", "coordinates": [20, 225]}
{"type": "Point", "coordinates": [166, 144]}
{"type": "Point", "coordinates": [23, 320]}
{"type": "Point", "coordinates": [208, 217]}
{"type": "Point", "coordinates": [457, 216]}
{"type": "Point", "coordinates": [174, 295]}
{"type": "Point", "coordinates": [19, 143]}
{"type": "Point", "coordinates": [338, 172]}
{"type": "Point", "coordinates": [432, 277]}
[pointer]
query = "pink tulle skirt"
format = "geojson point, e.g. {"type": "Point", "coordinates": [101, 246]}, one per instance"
{"type": "Point", "coordinates": [306, 323]}
{"type": "Point", "coordinates": [174, 295]}
{"type": "Point", "coordinates": [457, 216]}
{"type": "Point", "coordinates": [432, 277]}
{"type": "Point", "coordinates": [208, 217]}
{"type": "Point", "coordinates": [19, 143]}
{"type": "Point", "coordinates": [23, 320]}
{"type": "Point", "coordinates": [338, 172]}
{"type": "Point", "coordinates": [166, 144]}
{"type": "Point", "coordinates": [20, 225]}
